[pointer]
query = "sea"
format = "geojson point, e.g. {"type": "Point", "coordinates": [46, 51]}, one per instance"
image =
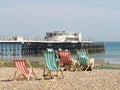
{"type": "Point", "coordinates": [111, 55]}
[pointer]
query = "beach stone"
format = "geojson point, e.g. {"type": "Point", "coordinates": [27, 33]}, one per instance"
{"type": "Point", "coordinates": [97, 79]}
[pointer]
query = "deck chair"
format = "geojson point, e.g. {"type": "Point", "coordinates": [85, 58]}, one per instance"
{"type": "Point", "coordinates": [21, 67]}
{"type": "Point", "coordinates": [84, 59]}
{"type": "Point", "coordinates": [49, 49]}
{"type": "Point", "coordinates": [66, 59]}
{"type": "Point", "coordinates": [51, 64]}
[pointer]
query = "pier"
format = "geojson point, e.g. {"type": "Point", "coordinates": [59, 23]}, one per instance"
{"type": "Point", "coordinates": [35, 47]}
{"type": "Point", "coordinates": [18, 46]}
{"type": "Point", "coordinates": [95, 47]}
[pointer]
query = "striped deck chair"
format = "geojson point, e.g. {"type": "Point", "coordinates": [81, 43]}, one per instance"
{"type": "Point", "coordinates": [65, 59]}
{"type": "Point", "coordinates": [21, 67]}
{"type": "Point", "coordinates": [49, 49]}
{"type": "Point", "coordinates": [50, 60]}
{"type": "Point", "coordinates": [83, 58]}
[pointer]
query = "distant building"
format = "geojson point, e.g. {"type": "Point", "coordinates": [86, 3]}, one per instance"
{"type": "Point", "coordinates": [63, 36]}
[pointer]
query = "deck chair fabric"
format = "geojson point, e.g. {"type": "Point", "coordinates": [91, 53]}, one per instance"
{"type": "Point", "coordinates": [21, 67]}
{"type": "Point", "coordinates": [83, 58]}
{"type": "Point", "coordinates": [65, 57]}
{"type": "Point", "coordinates": [49, 49]}
{"type": "Point", "coordinates": [66, 60]}
{"type": "Point", "coordinates": [50, 60]}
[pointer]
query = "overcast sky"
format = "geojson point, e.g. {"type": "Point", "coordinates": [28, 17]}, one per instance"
{"type": "Point", "coordinates": [98, 20]}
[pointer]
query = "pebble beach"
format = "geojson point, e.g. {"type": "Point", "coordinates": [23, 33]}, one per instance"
{"type": "Point", "coordinates": [97, 79]}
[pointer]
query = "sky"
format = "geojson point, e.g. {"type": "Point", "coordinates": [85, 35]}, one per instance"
{"type": "Point", "coordinates": [97, 20]}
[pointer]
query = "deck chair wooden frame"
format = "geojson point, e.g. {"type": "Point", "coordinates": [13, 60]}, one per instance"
{"type": "Point", "coordinates": [51, 64]}
{"type": "Point", "coordinates": [2, 63]}
{"type": "Point", "coordinates": [84, 59]}
{"type": "Point", "coordinates": [22, 68]}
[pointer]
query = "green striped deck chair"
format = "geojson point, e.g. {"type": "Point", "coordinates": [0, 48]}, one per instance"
{"type": "Point", "coordinates": [51, 64]}
{"type": "Point", "coordinates": [83, 58]}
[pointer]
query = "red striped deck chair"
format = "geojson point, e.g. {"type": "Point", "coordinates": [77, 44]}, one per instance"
{"type": "Point", "coordinates": [65, 58]}
{"type": "Point", "coordinates": [21, 67]}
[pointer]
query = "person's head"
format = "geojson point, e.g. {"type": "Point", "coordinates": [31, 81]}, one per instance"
{"type": "Point", "coordinates": [66, 49]}
{"type": "Point", "coordinates": [59, 49]}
